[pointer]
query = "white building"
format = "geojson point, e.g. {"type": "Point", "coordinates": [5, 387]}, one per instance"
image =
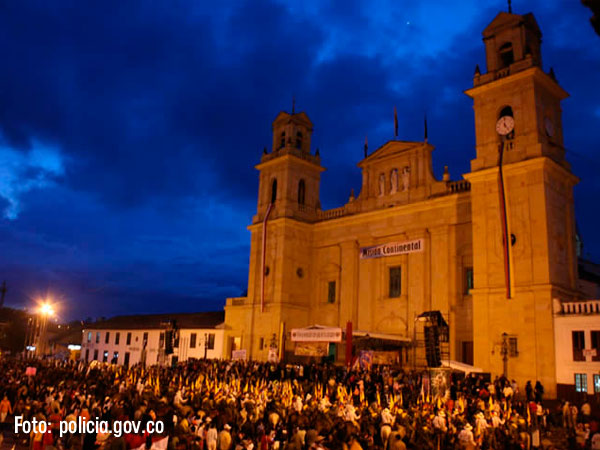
{"type": "Point", "coordinates": [577, 343]}
{"type": "Point", "coordinates": [129, 340]}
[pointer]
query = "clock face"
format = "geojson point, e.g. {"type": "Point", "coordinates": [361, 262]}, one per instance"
{"type": "Point", "coordinates": [505, 125]}
{"type": "Point", "coordinates": [549, 126]}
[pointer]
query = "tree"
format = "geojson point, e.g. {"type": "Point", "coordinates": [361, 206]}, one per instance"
{"type": "Point", "coordinates": [594, 5]}
{"type": "Point", "coordinates": [13, 329]}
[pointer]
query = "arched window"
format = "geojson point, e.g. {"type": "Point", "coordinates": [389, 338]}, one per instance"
{"type": "Point", "coordinates": [301, 192]}
{"type": "Point", "coordinates": [298, 140]}
{"type": "Point", "coordinates": [274, 190]}
{"type": "Point", "coordinates": [506, 55]}
{"type": "Point", "coordinates": [282, 139]}
{"type": "Point", "coordinates": [506, 111]}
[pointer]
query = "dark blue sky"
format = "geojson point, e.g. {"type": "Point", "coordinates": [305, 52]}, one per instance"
{"type": "Point", "coordinates": [129, 130]}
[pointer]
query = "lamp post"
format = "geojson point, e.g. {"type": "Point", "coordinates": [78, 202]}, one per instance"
{"type": "Point", "coordinates": [504, 353]}
{"type": "Point", "coordinates": [30, 336]}
{"type": "Point", "coordinates": [46, 310]}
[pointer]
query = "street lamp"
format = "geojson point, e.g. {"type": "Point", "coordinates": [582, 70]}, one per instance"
{"type": "Point", "coordinates": [45, 310]}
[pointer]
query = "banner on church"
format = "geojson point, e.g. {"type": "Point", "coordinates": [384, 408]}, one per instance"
{"type": "Point", "coordinates": [392, 249]}
{"type": "Point", "coordinates": [317, 334]}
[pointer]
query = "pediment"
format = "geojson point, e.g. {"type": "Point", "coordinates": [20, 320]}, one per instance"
{"type": "Point", "coordinates": [507, 20]}
{"type": "Point", "coordinates": [300, 118]}
{"type": "Point", "coordinates": [391, 149]}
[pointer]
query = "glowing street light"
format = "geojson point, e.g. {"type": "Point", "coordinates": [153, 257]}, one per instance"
{"type": "Point", "coordinates": [46, 309]}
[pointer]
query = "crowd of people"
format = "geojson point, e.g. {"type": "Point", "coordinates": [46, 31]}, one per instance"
{"type": "Point", "coordinates": [238, 405]}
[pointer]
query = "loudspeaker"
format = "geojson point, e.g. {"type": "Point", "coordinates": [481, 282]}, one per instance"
{"type": "Point", "coordinates": [432, 346]}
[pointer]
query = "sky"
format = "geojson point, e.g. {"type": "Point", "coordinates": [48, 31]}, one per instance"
{"type": "Point", "coordinates": [129, 130]}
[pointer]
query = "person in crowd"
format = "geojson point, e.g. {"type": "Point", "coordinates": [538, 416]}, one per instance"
{"type": "Point", "coordinates": [5, 409]}
{"type": "Point", "coordinates": [529, 391]}
{"type": "Point", "coordinates": [539, 392]}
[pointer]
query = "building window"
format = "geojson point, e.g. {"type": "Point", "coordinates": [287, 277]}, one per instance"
{"type": "Point", "coordinates": [97, 337]}
{"type": "Point", "coordinates": [581, 382]}
{"type": "Point", "coordinates": [193, 340]}
{"type": "Point", "coordinates": [578, 338]}
{"type": "Point", "coordinates": [107, 337]}
{"type": "Point", "coordinates": [115, 358]}
{"type": "Point", "coordinates": [595, 335]}
{"type": "Point", "coordinates": [105, 356]}
{"type": "Point", "coordinates": [96, 355]}
{"type": "Point", "coordinates": [87, 354]}
{"type": "Point", "coordinates": [282, 140]}
{"type": "Point", "coordinates": [513, 349]}
{"type": "Point", "coordinates": [468, 280]}
{"type": "Point", "coordinates": [161, 340]}
{"type": "Point", "coordinates": [89, 336]}
{"type": "Point", "coordinates": [506, 111]}
{"type": "Point", "coordinates": [301, 192]}
{"type": "Point", "coordinates": [395, 281]}
{"type": "Point", "coordinates": [506, 55]}
{"type": "Point", "coordinates": [596, 383]}
{"type": "Point", "coordinates": [261, 343]}
{"type": "Point", "coordinates": [236, 343]}
{"type": "Point", "coordinates": [128, 339]}
{"type": "Point", "coordinates": [210, 344]}
{"type": "Point", "coordinates": [117, 338]}
{"type": "Point", "coordinates": [274, 190]}
{"type": "Point", "coordinates": [298, 140]}
{"type": "Point", "coordinates": [126, 360]}
{"type": "Point", "coordinates": [331, 292]}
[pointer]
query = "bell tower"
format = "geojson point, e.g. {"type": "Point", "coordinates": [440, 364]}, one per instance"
{"type": "Point", "coordinates": [280, 272]}
{"type": "Point", "coordinates": [522, 205]}
{"type": "Point", "coordinates": [290, 175]}
{"type": "Point", "coordinates": [516, 86]}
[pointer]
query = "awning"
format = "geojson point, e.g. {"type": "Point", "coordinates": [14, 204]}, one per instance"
{"type": "Point", "coordinates": [462, 367]}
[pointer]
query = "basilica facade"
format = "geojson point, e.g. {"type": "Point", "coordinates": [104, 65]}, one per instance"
{"type": "Point", "coordinates": [491, 252]}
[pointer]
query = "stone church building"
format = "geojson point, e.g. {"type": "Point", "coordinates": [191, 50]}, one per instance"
{"type": "Point", "coordinates": [491, 252]}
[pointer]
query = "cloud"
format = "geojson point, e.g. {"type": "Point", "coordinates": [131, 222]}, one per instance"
{"type": "Point", "coordinates": [22, 171]}
{"type": "Point", "coordinates": [130, 130]}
